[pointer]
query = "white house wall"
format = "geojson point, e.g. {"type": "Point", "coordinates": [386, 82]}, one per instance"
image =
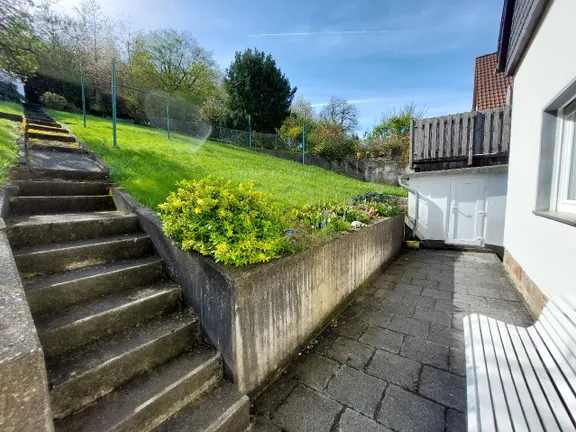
{"type": "Point", "coordinates": [435, 206]}
{"type": "Point", "coordinates": [545, 249]}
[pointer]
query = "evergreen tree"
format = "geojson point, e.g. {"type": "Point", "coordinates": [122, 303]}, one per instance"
{"type": "Point", "coordinates": [256, 87]}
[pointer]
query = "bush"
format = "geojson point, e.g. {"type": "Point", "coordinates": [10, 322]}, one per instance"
{"type": "Point", "coordinates": [231, 222]}
{"type": "Point", "coordinates": [376, 197]}
{"type": "Point", "coordinates": [339, 217]}
{"type": "Point", "coordinates": [54, 101]}
{"type": "Point", "coordinates": [330, 141]}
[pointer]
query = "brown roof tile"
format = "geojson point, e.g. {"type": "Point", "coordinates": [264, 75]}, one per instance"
{"type": "Point", "coordinates": [490, 87]}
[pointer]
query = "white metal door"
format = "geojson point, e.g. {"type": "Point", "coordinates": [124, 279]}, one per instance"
{"type": "Point", "coordinates": [466, 216]}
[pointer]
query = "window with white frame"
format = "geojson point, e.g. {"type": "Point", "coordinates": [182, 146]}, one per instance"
{"type": "Point", "coordinates": [566, 160]}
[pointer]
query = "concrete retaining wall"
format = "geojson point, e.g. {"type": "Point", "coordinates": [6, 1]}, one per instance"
{"type": "Point", "coordinates": [280, 306]}
{"type": "Point", "coordinates": [24, 398]}
{"type": "Point", "coordinates": [380, 170]}
{"type": "Point", "coordinates": [260, 316]}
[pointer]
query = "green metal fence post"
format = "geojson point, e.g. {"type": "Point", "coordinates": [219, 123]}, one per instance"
{"type": "Point", "coordinates": [114, 100]}
{"type": "Point", "coordinates": [168, 114]}
{"type": "Point", "coordinates": [83, 99]}
{"type": "Point", "coordinates": [249, 131]}
{"type": "Point", "coordinates": [303, 143]}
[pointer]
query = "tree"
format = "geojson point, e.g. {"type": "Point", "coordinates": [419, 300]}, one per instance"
{"type": "Point", "coordinates": [392, 135]}
{"type": "Point", "coordinates": [94, 36]}
{"type": "Point", "coordinates": [397, 121]}
{"type": "Point", "coordinates": [175, 63]}
{"type": "Point", "coordinates": [340, 112]}
{"type": "Point", "coordinates": [18, 44]}
{"type": "Point", "coordinates": [257, 87]}
{"type": "Point", "coordinates": [302, 108]}
{"type": "Point", "coordinates": [214, 107]}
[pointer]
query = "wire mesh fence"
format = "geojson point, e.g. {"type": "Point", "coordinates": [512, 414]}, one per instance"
{"type": "Point", "coordinates": [113, 97]}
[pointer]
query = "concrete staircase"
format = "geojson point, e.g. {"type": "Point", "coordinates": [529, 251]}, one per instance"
{"type": "Point", "coordinates": [44, 130]}
{"type": "Point", "coordinates": [122, 353]}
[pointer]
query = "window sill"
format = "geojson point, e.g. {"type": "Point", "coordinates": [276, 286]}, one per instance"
{"type": "Point", "coordinates": [562, 217]}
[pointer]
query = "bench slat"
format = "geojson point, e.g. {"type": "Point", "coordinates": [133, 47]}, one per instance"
{"type": "Point", "coordinates": [556, 364]}
{"type": "Point", "coordinates": [482, 411]}
{"type": "Point", "coordinates": [514, 411]}
{"type": "Point", "coordinates": [530, 415]}
{"type": "Point", "coordinates": [560, 351]}
{"type": "Point", "coordinates": [562, 326]}
{"type": "Point", "coordinates": [540, 401]}
{"type": "Point", "coordinates": [568, 313]}
{"type": "Point", "coordinates": [499, 405]}
{"type": "Point", "coordinates": [471, 403]}
{"type": "Point", "coordinates": [571, 300]}
{"type": "Point", "coordinates": [523, 379]}
{"type": "Point", "coordinates": [552, 398]}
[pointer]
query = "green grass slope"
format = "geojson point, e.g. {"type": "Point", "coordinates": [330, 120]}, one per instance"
{"type": "Point", "coordinates": [11, 107]}
{"type": "Point", "coordinates": [8, 146]}
{"type": "Point", "coordinates": [149, 165]}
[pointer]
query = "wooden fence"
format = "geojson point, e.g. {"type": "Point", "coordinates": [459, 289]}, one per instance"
{"type": "Point", "coordinates": [461, 136]}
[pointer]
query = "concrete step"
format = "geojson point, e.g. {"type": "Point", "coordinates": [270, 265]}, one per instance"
{"type": "Point", "coordinates": [26, 231]}
{"type": "Point", "coordinates": [56, 146]}
{"type": "Point", "coordinates": [85, 376]}
{"type": "Point", "coordinates": [56, 293]}
{"type": "Point", "coordinates": [45, 128]}
{"type": "Point", "coordinates": [26, 173]}
{"type": "Point", "coordinates": [84, 323]}
{"type": "Point", "coordinates": [37, 121]}
{"type": "Point", "coordinates": [147, 401]}
{"type": "Point", "coordinates": [224, 409]}
{"type": "Point", "coordinates": [51, 137]}
{"type": "Point", "coordinates": [29, 205]}
{"type": "Point", "coordinates": [60, 257]}
{"type": "Point", "coordinates": [61, 187]}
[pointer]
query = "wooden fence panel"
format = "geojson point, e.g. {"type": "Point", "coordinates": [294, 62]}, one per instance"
{"type": "Point", "coordinates": [488, 115]}
{"type": "Point", "coordinates": [462, 135]}
{"type": "Point", "coordinates": [441, 147]}
{"type": "Point", "coordinates": [506, 129]}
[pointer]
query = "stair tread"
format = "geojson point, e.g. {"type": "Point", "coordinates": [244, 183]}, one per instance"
{"type": "Point", "coordinates": [68, 197]}
{"type": "Point", "coordinates": [54, 247]}
{"type": "Point", "coordinates": [84, 311]}
{"type": "Point", "coordinates": [26, 220]}
{"type": "Point", "coordinates": [62, 369]}
{"type": "Point", "coordinates": [43, 282]}
{"type": "Point", "coordinates": [60, 181]}
{"type": "Point", "coordinates": [209, 410]}
{"type": "Point", "coordinates": [119, 405]}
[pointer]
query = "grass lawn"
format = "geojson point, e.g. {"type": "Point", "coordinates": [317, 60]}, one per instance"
{"type": "Point", "coordinates": [11, 107]}
{"type": "Point", "coordinates": [149, 165]}
{"type": "Point", "coordinates": [8, 145]}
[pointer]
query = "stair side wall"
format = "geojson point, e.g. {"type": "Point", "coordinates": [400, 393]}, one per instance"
{"type": "Point", "coordinates": [24, 396]}
{"type": "Point", "coordinates": [260, 317]}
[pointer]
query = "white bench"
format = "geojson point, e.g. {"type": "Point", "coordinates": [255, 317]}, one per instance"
{"type": "Point", "coordinates": [522, 379]}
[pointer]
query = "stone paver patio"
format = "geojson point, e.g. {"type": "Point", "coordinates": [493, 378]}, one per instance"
{"type": "Point", "coordinates": [394, 361]}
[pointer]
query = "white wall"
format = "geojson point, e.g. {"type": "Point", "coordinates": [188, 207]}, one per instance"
{"type": "Point", "coordinates": [434, 205]}
{"type": "Point", "coordinates": [545, 249]}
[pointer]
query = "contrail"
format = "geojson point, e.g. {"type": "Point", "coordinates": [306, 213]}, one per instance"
{"type": "Point", "coordinates": [328, 33]}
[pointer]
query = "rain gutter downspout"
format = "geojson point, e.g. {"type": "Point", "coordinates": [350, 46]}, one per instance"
{"type": "Point", "coordinates": [415, 192]}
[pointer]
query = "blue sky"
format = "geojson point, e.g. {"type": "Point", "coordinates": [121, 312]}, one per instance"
{"type": "Point", "coordinates": [376, 53]}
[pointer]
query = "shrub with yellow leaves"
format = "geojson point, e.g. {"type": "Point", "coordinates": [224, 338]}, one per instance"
{"type": "Point", "coordinates": [232, 223]}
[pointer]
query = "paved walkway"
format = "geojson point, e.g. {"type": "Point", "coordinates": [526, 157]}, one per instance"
{"type": "Point", "coordinates": [394, 361]}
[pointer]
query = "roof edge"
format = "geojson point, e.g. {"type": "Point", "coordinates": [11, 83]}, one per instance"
{"type": "Point", "coordinates": [504, 36]}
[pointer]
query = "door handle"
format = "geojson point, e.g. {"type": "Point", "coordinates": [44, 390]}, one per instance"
{"type": "Point", "coordinates": [481, 212]}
